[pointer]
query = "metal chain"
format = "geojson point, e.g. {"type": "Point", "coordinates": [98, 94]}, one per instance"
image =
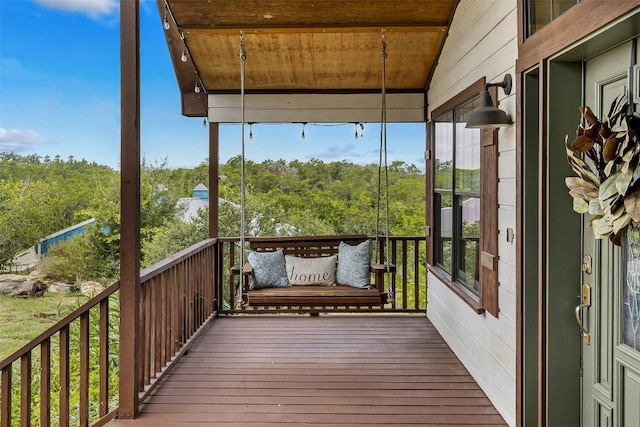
{"type": "Point", "coordinates": [243, 220]}
{"type": "Point", "coordinates": [383, 163]}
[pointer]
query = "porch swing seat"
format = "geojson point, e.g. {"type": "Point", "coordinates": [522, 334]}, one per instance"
{"type": "Point", "coordinates": [311, 295]}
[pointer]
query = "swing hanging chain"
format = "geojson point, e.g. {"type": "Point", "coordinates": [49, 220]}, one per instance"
{"type": "Point", "coordinates": [383, 54]}
{"type": "Point", "coordinates": [383, 164]}
{"type": "Point", "coordinates": [243, 57]}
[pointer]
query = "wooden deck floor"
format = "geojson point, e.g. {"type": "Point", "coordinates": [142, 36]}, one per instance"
{"type": "Point", "coordinates": [321, 371]}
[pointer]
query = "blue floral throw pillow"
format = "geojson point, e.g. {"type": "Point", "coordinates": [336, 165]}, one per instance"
{"type": "Point", "coordinates": [354, 265]}
{"type": "Point", "coordinates": [268, 269]}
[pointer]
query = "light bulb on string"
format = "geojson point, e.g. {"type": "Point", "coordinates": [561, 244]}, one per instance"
{"type": "Point", "coordinates": [250, 131]}
{"type": "Point", "coordinates": [356, 135]}
{"type": "Point", "coordinates": [197, 88]}
{"type": "Point", "coordinates": [303, 136]}
{"type": "Point", "coordinates": [165, 21]}
{"type": "Point", "coordinates": [204, 122]}
{"type": "Point", "coordinates": [183, 58]}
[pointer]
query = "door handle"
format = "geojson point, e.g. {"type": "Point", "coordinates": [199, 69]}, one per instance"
{"type": "Point", "coordinates": [585, 302]}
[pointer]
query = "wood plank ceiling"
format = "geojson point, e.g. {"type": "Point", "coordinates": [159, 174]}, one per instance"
{"type": "Point", "coordinates": [305, 46]}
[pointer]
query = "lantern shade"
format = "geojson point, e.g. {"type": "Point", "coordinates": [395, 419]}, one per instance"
{"type": "Point", "coordinates": [487, 116]}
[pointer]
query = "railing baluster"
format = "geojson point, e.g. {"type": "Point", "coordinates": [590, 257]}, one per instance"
{"type": "Point", "coordinates": [416, 274]}
{"type": "Point", "coordinates": [25, 390]}
{"type": "Point", "coordinates": [165, 318]}
{"type": "Point", "coordinates": [405, 288]}
{"type": "Point", "coordinates": [175, 311]}
{"type": "Point", "coordinates": [5, 396]}
{"type": "Point", "coordinates": [45, 383]}
{"type": "Point", "coordinates": [64, 376]}
{"type": "Point", "coordinates": [232, 285]}
{"type": "Point", "coordinates": [84, 369]}
{"type": "Point", "coordinates": [103, 407]}
{"type": "Point", "coordinates": [156, 326]}
{"type": "Point", "coordinates": [188, 276]}
{"type": "Point", "coordinates": [394, 260]}
{"type": "Point", "coordinates": [145, 327]}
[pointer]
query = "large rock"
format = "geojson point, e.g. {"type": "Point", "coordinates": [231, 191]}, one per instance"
{"type": "Point", "coordinates": [59, 287]}
{"type": "Point", "coordinates": [91, 288]}
{"type": "Point", "coordinates": [12, 278]}
{"type": "Point", "coordinates": [22, 289]}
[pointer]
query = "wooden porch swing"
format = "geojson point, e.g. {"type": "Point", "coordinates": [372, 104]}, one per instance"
{"type": "Point", "coordinates": [309, 249]}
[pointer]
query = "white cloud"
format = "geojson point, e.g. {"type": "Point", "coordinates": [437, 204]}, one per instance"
{"type": "Point", "coordinates": [93, 8]}
{"type": "Point", "coordinates": [17, 140]}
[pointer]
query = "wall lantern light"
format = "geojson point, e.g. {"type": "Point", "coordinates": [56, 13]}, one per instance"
{"type": "Point", "coordinates": [488, 116]}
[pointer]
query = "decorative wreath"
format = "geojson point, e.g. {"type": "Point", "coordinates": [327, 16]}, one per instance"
{"type": "Point", "coordinates": [606, 157]}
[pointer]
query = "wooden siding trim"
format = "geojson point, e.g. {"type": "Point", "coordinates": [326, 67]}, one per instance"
{"type": "Point", "coordinates": [519, 246]}
{"type": "Point", "coordinates": [429, 191]}
{"type": "Point", "coordinates": [578, 22]}
{"type": "Point", "coordinates": [542, 252]}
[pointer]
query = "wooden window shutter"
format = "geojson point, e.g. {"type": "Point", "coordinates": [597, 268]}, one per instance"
{"type": "Point", "coordinates": [489, 220]}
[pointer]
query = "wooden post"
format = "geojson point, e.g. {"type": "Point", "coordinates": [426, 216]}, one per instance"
{"type": "Point", "coordinates": [214, 180]}
{"type": "Point", "coordinates": [129, 206]}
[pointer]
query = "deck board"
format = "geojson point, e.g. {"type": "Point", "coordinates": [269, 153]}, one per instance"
{"type": "Point", "coordinates": [320, 371]}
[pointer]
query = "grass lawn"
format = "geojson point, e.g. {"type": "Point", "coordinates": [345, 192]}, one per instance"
{"type": "Point", "coordinates": [21, 320]}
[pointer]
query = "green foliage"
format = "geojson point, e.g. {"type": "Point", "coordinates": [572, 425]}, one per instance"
{"type": "Point", "coordinates": [326, 198]}
{"type": "Point", "coordinates": [282, 198]}
{"type": "Point", "coordinates": [21, 320]}
{"type": "Point", "coordinates": [175, 236]}
{"type": "Point", "coordinates": [40, 196]}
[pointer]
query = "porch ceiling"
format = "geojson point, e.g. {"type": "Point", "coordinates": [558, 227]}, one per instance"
{"type": "Point", "coordinates": [305, 46]}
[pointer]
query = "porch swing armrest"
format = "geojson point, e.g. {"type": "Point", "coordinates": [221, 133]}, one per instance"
{"type": "Point", "coordinates": [379, 270]}
{"type": "Point", "coordinates": [244, 273]}
{"type": "Point", "coordinates": [247, 269]}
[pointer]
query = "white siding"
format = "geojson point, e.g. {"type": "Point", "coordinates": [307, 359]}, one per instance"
{"type": "Point", "coordinates": [317, 108]}
{"type": "Point", "coordinates": [482, 42]}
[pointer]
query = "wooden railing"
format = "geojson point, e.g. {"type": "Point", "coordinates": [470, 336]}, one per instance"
{"type": "Point", "coordinates": [177, 299]}
{"type": "Point", "coordinates": [68, 375]}
{"type": "Point", "coordinates": [46, 376]}
{"type": "Point", "coordinates": [407, 286]}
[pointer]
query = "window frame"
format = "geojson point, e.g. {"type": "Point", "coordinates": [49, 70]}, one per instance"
{"type": "Point", "coordinates": [487, 297]}
{"type": "Point", "coordinates": [553, 14]}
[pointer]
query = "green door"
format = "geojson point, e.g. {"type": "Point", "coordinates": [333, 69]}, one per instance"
{"type": "Point", "coordinates": [610, 288]}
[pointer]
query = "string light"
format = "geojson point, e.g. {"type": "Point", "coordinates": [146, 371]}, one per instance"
{"type": "Point", "coordinates": [250, 131]}
{"type": "Point", "coordinates": [183, 58]}
{"type": "Point", "coordinates": [303, 136]}
{"type": "Point", "coordinates": [196, 89]}
{"type": "Point", "coordinates": [165, 21]}
{"type": "Point", "coordinates": [356, 135]}
{"type": "Point", "coordinates": [199, 86]}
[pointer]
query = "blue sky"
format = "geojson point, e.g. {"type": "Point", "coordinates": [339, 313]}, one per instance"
{"type": "Point", "coordinates": [60, 95]}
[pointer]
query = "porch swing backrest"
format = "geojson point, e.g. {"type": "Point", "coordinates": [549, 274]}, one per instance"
{"type": "Point", "coordinates": [310, 295]}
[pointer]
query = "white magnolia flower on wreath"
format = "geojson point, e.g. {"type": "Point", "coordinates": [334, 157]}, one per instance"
{"type": "Point", "coordinates": [606, 157]}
